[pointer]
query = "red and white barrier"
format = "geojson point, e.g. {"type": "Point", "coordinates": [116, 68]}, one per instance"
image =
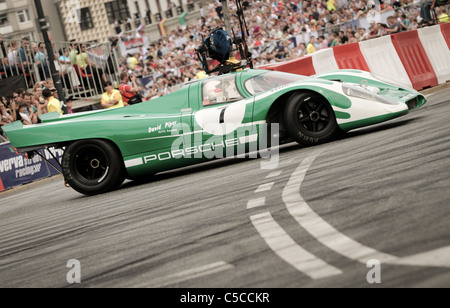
{"type": "Point", "coordinates": [324, 61]}
{"type": "Point", "coordinates": [414, 59]}
{"type": "Point", "coordinates": [445, 29]}
{"type": "Point", "coordinates": [419, 58]}
{"type": "Point", "coordinates": [350, 57]}
{"type": "Point", "coordinates": [438, 53]}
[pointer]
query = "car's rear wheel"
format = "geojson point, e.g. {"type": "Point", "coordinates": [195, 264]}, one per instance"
{"type": "Point", "coordinates": [93, 167]}
{"type": "Point", "coordinates": [310, 119]}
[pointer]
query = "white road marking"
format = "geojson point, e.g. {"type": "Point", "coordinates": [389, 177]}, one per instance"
{"type": "Point", "coordinates": [286, 248]}
{"type": "Point", "coordinates": [256, 203]}
{"type": "Point", "coordinates": [274, 174]}
{"type": "Point", "coordinates": [435, 258]}
{"type": "Point", "coordinates": [192, 274]}
{"type": "Point", "coordinates": [340, 243]}
{"type": "Point", "coordinates": [319, 228]}
{"type": "Point", "coordinates": [265, 187]}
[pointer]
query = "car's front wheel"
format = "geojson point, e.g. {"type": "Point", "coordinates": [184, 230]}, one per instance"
{"type": "Point", "coordinates": [93, 167]}
{"type": "Point", "coordinates": [310, 119]}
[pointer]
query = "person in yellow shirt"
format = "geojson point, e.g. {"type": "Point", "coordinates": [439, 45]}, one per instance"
{"type": "Point", "coordinates": [442, 16]}
{"type": "Point", "coordinates": [112, 97]}
{"type": "Point", "coordinates": [331, 5]}
{"type": "Point", "coordinates": [53, 103]}
{"type": "Point", "coordinates": [132, 61]}
{"type": "Point", "coordinates": [310, 48]}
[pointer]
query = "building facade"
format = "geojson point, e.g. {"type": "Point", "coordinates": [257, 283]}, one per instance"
{"type": "Point", "coordinates": [96, 20]}
{"type": "Point", "coordinates": [17, 19]}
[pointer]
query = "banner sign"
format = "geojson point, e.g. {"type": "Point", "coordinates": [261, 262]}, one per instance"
{"type": "Point", "coordinates": [16, 169]}
{"type": "Point", "coordinates": [132, 45]}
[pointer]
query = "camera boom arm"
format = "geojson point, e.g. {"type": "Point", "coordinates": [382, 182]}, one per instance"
{"type": "Point", "coordinates": [230, 64]}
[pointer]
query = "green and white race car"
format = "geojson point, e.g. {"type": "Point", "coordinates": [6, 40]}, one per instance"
{"type": "Point", "coordinates": [212, 118]}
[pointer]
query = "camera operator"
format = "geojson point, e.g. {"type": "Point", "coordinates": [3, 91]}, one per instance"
{"type": "Point", "coordinates": [130, 94]}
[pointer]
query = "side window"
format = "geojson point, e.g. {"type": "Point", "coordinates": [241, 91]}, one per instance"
{"type": "Point", "coordinates": [220, 90]}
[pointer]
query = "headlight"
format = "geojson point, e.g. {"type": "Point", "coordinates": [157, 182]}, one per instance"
{"type": "Point", "coordinates": [366, 92]}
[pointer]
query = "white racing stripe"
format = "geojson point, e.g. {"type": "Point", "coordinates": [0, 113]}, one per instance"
{"type": "Point", "coordinates": [134, 162]}
{"type": "Point", "coordinates": [286, 248]}
{"type": "Point", "coordinates": [319, 228]}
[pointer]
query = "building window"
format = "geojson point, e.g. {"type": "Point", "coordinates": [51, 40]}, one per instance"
{"type": "Point", "coordinates": [23, 16]}
{"type": "Point", "coordinates": [85, 19]}
{"type": "Point", "coordinates": [117, 9]}
{"type": "Point", "coordinates": [4, 20]}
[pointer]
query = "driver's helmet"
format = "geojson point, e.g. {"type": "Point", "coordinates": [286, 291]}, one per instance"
{"type": "Point", "coordinates": [213, 90]}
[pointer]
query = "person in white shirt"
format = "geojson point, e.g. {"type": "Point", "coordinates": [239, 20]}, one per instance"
{"type": "Point", "coordinates": [64, 66]}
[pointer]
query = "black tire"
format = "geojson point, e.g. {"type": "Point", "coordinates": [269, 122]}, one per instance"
{"type": "Point", "coordinates": [309, 119]}
{"type": "Point", "coordinates": [93, 167]}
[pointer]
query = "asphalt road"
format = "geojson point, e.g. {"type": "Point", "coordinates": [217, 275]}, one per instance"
{"type": "Point", "coordinates": [314, 220]}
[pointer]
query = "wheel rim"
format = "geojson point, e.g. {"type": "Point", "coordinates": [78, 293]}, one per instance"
{"type": "Point", "coordinates": [90, 164]}
{"type": "Point", "coordinates": [313, 116]}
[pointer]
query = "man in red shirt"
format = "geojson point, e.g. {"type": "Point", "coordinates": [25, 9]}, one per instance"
{"type": "Point", "coordinates": [130, 94]}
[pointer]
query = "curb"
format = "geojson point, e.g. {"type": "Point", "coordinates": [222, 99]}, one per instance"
{"type": "Point", "coordinates": [436, 89]}
{"type": "Point", "coordinates": [29, 186]}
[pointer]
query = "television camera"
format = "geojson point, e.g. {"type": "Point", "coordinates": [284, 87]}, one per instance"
{"type": "Point", "coordinates": [226, 49]}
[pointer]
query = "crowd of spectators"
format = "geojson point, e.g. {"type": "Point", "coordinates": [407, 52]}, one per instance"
{"type": "Point", "coordinates": [280, 30]}
{"type": "Point", "coordinates": [27, 106]}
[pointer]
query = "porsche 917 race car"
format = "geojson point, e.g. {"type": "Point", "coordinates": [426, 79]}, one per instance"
{"type": "Point", "coordinates": [212, 118]}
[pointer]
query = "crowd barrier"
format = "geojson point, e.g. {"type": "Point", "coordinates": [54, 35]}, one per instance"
{"type": "Point", "coordinates": [418, 58]}
{"type": "Point", "coordinates": [350, 57]}
{"type": "Point", "coordinates": [435, 47]}
{"type": "Point", "coordinates": [414, 59]}
{"type": "Point", "coordinates": [445, 29]}
{"type": "Point", "coordinates": [16, 169]}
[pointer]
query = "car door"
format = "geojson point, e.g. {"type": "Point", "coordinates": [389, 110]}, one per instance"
{"type": "Point", "coordinates": [222, 120]}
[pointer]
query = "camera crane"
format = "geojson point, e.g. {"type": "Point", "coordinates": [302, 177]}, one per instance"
{"type": "Point", "coordinates": [221, 47]}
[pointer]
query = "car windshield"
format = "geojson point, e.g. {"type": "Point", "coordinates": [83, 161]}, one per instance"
{"type": "Point", "coordinates": [270, 80]}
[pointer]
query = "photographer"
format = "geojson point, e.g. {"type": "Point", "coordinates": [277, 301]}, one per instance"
{"type": "Point", "coordinates": [130, 94]}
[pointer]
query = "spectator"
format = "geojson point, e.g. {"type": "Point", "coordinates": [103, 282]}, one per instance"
{"type": "Point", "coordinates": [85, 64]}
{"type": "Point", "coordinates": [41, 60]}
{"type": "Point", "coordinates": [118, 26]}
{"type": "Point", "coordinates": [64, 66]}
{"type": "Point", "coordinates": [53, 104]}
{"type": "Point", "coordinates": [442, 16]}
{"type": "Point", "coordinates": [132, 61]}
{"type": "Point", "coordinates": [393, 25]}
{"type": "Point", "coordinates": [73, 52]}
{"type": "Point", "coordinates": [22, 113]}
{"type": "Point", "coordinates": [30, 110]}
{"type": "Point", "coordinates": [3, 55]}
{"type": "Point", "coordinates": [310, 48]}
{"type": "Point", "coordinates": [111, 98]}
{"type": "Point", "coordinates": [69, 104]}
{"type": "Point", "coordinates": [130, 94]}
{"type": "Point", "coordinates": [26, 57]}
{"type": "Point", "coordinates": [5, 116]}
{"type": "Point", "coordinates": [427, 7]}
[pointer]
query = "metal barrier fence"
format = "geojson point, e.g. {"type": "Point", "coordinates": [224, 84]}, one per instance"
{"type": "Point", "coordinates": [82, 66]}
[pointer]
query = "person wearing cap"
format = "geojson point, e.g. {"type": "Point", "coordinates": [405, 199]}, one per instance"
{"type": "Point", "coordinates": [53, 105]}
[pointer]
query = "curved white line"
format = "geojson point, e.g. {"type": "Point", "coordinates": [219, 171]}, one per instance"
{"type": "Point", "coordinates": [319, 228]}
{"type": "Point", "coordinates": [288, 250]}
